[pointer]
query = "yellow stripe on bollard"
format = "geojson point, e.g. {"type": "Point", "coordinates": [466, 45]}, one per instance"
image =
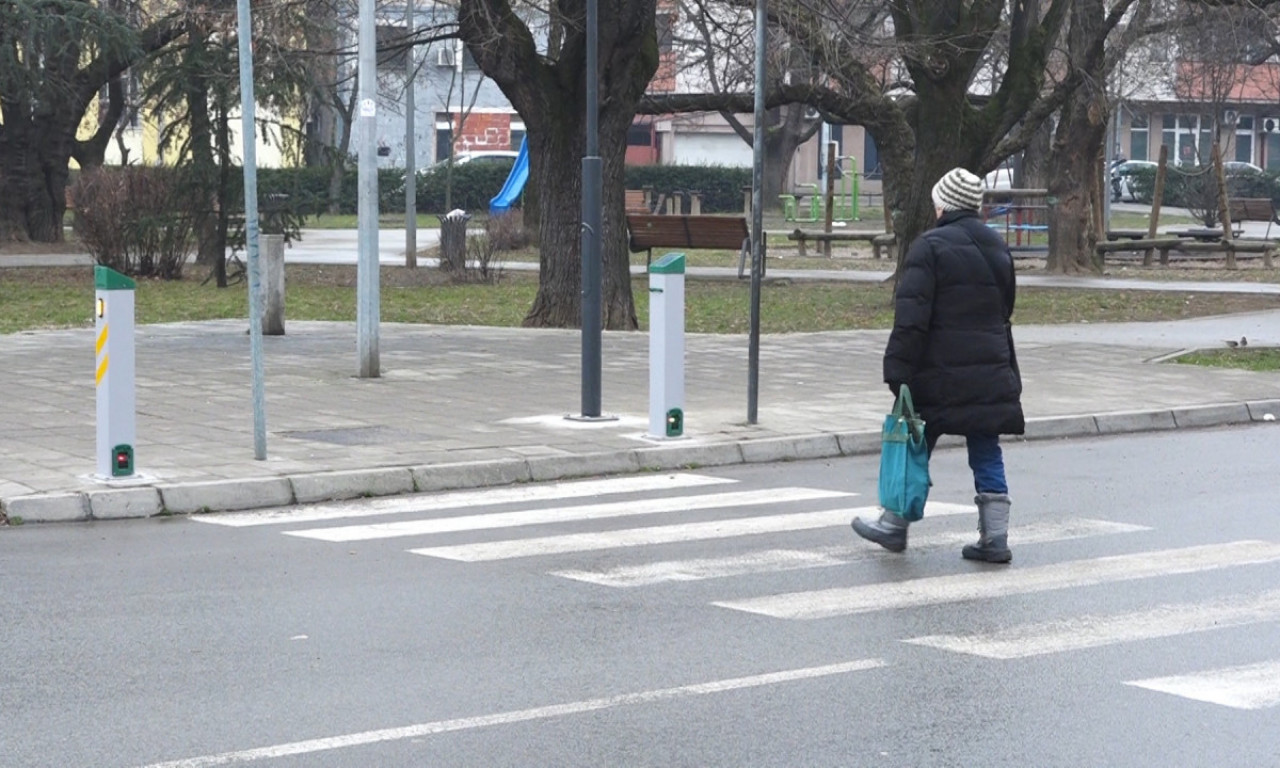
{"type": "Point", "coordinates": [102, 371]}
{"type": "Point", "coordinates": [102, 339]}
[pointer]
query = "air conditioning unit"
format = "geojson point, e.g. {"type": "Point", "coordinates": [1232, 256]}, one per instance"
{"type": "Point", "coordinates": [1270, 125]}
{"type": "Point", "coordinates": [1230, 117]}
{"type": "Point", "coordinates": [444, 57]}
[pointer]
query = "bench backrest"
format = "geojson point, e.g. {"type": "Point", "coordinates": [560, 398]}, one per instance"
{"type": "Point", "coordinates": [637, 201]}
{"type": "Point", "coordinates": [656, 231]}
{"type": "Point", "coordinates": [1251, 209]}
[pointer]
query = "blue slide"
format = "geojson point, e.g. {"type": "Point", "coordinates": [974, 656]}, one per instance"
{"type": "Point", "coordinates": [515, 182]}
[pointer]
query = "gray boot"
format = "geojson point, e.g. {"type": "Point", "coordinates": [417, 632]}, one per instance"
{"type": "Point", "coordinates": [993, 530]}
{"type": "Point", "coordinates": [890, 531]}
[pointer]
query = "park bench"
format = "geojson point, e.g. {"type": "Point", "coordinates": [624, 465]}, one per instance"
{"type": "Point", "coordinates": [878, 240]}
{"type": "Point", "coordinates": [1253, 209]}
{"type": "Point", "coordinates": [1166, 243]}
{"type": "Point", "coordinates": [649, 231]}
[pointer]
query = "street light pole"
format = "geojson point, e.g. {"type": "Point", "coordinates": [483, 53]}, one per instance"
{"type": "Point", "coordinates": [757, 219]}
{"type": "Point", "coordinates": [592, 181]}
{"type": "Point", "coordinates": [249, 140]}
{"type": "Point", "coordinates": [410, 158]}
{"type": "Point", "coordinates": [367, 269]}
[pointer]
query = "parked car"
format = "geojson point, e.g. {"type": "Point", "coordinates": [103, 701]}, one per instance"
{"type": "Point", "coordinates": [487, 156]}
{"type": "Point", "coordinates": [1237, 167]}
{"type": "Point", "coordinates": [1000, 178]}
{"type": "Point", "coordinates": [1122, 177]}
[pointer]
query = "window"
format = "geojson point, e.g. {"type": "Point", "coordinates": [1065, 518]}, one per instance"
{"type": "Point", "coordinates": [393, 50]}
{"type": "Point", "coordinates": [1188, 137]}
{"type": "Point", "coordinates": [1273, 151]}
{"type": "Point", "coordinates": [666, 32]}
{"type": "Point", "coordinates": [833, 133]}
{"type": "Point", "coordinates": [444, 136]}
{"type": "Point", "coordinates": [468, 61]}
{"type": "Point", "coordinates": [1138, 138]}
{"type": "Point", "coordinates": [517, 135]}
{"type": "Point", "coordinates": [640, 135]}
{"type": "Point", "coordinates": [1244, 139]}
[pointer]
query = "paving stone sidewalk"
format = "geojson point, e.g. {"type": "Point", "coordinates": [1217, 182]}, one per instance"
{"type": "Point", "coordinates": [465, 407]}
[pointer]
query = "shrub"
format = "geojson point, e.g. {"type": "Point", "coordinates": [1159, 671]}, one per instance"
{"type": "Point", "coordinates": [134, 220]}
{"type": "Point", "coordinates": [721, 187]}
{"type": "Point", "coordinates": [506, 232]}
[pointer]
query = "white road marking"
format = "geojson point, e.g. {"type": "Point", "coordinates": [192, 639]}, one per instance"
{"type": "Point", "coordinates": [993, 582]}
{"type": "Point", "coordinates": [601, 511]}
{"type": "Point", "coordinates": [1095, 631]}
{"type": "Point", "coordinates": [781, 560]}
{"type": "Point", "coordinates": [517, 494]}
{"type": "Point", "coordinates": [519, 716]}
{"type": "Point", "coordinates": [638, 537]}
{"type": "Point", "coordinates": [1253, 686]}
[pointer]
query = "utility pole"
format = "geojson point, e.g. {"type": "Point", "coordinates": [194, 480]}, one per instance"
{"type": "Point", "coordinates": [592, 181]}
{"type": "Point", "coordinates": [367, 270]}
{"type": "Point", "coordinates": [757, 219]}
{"type": "Point", "coordinates": [410, 159]}
{"type": "Point", "coordinates": [249, 140]}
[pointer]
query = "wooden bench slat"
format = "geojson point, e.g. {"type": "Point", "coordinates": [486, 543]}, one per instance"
{"type": "Point", "coordinates": [681, 231]}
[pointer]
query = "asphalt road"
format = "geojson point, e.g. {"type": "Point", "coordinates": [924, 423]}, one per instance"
{"type": "Point", "coordinates": [613, 625]}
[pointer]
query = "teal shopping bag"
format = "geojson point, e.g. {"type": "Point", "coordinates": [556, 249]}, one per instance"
{"type": "Point", "coordinates": [904, 460]}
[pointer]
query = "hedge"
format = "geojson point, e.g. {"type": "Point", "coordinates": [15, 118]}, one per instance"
{"type": "Point", "coordinates": [1196, 188]}
{"type": "Point", "coordinates": [474, 184]}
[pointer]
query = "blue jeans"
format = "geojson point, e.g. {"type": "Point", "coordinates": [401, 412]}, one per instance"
{"type": "Point", "coordinates": [985, 459]}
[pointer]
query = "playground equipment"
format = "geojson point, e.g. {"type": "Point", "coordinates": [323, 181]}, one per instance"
{"type": "Point", "coordinates": [514, 185]}
{"type": "Point", "coordinates": [844, 203]}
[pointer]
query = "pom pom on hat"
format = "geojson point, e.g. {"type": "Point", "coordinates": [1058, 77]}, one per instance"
{"type": "Point", "coordinates": [958, 190]}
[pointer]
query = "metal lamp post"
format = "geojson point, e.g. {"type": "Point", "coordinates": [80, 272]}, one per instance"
{"type": "Point", "coordinates": [757, 219]}
{"type": "Point", "coordinates": [592, 181]}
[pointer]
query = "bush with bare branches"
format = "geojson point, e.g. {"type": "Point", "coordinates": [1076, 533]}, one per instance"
{"type": "Point", "coordinates": [133, 221]}
{"type": "Point", "coordinates": [507, 233]}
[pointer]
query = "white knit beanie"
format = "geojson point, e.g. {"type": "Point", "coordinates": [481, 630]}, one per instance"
{"type": "Point", "coordinates": [958, 190]}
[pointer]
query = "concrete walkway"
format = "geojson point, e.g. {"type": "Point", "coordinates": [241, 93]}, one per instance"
{"type": "Point", "coordinates": [463, 407]}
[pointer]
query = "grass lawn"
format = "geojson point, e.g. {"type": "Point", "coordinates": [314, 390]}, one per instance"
{"type": "Point", "coordinates": [1261, 359]}
{"type": "Point", "coordinates": [62, 297]}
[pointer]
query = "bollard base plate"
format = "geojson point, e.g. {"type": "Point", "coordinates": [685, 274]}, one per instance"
{"type": "Point", "coordinates": [601, 417]}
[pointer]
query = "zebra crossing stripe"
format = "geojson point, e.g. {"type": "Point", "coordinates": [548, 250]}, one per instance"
{"type": "Point", "coordinates": [989, 583]}
{"type": "Point", "coordinates": [781, 560]}
{"type": "Point", "coordinates": [1095, 631]}
{"type": "Point", "coordinates": [518, 494]}
{"type": "Point", "coordinates": [638, 537]}
{"type": "Point", "coordinates": [1253, 686]}
{"type": "Point", "coordinates": [565, 514]}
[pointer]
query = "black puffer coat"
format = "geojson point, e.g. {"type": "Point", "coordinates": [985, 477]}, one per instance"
{"type": "Point", "coordinates": [951, 341]}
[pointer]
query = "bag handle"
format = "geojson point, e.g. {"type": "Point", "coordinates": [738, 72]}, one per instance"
{"type": "Point", "coordinates": [903, 406]}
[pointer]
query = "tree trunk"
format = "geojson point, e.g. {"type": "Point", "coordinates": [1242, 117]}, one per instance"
{"type": "Point", "coordinates": [548, 90]}
{"type": "Point", "coordinates": [1073, 163]}
{"type": "Point", "coordinates": [33, 170]}
{"type": "Point", "coordinates": [914, 160]}
{"type": "Point", "coordinates": [785, 132]}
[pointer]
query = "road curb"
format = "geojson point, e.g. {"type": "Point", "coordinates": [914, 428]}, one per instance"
{"type": "Point", "coordinates": [258, 493]}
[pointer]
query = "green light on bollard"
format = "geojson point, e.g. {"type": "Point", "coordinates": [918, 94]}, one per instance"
{"type": "Point", "coordinates": [675, 422]}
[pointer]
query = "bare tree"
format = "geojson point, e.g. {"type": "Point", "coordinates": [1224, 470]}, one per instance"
{"type": "Point", "coordinates": [544, 77]}
{"type": "Point", "coordinates": [716, 56]}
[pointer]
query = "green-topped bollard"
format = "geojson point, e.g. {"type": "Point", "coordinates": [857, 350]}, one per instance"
{"type": "Point", "coordinates": [666, 347]}
{"type": "Point", "coordinates": [113, 327]}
